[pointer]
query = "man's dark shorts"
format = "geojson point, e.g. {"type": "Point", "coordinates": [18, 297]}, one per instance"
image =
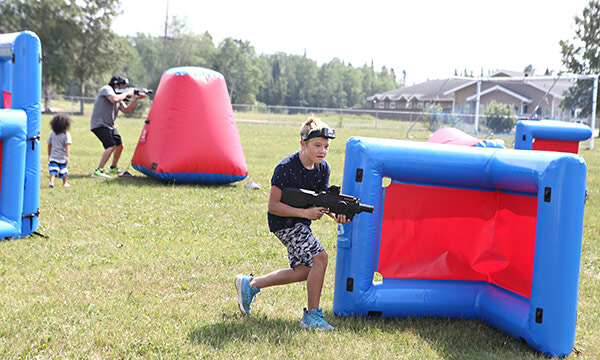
{"type": "Point", "coordinates": [109, 137]}
{"type": "Point", "coordinates": [301, 244]}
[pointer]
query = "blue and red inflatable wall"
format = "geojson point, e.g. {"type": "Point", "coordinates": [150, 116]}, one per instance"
{"type": "Point", "coordinates": [464, 232]}
{"type": "Point", "coordinates": [550, 135]}
{"type": "Point", "coordinates": [190, 135]}
{"type": "Point", "coordinates": [20, 125]}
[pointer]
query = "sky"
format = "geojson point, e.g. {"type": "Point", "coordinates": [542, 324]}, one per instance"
{"type": "Point", "coordinates": [428, 39]}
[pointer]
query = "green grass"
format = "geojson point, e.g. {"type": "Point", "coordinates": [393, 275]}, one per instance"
{"type": "Point", "coordinates": [134, 268]}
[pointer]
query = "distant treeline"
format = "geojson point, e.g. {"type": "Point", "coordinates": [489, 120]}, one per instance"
{"type": "Point", "coordinates": [81, 52]}
{"type": "Point", "coordinates": [271, 79]}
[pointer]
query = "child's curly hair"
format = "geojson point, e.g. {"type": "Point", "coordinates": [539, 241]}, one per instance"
{"type": "Point", "coordinates": [60, 123]}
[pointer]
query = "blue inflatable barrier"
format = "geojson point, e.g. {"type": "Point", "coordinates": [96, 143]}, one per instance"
{"type": "Point", "coordinates": [13, 139]}
{"type": "Point", "coordinates": [550, 135]}
{"type": "Point", "coordinates": [21, 91]}
{"type": "Point", "coordinates": [464, 232]}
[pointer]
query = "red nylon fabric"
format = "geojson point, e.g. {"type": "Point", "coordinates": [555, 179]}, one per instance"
{"type": "Point", "coordinates": [6, 99]}
{"type": "Point", "coordinates": [191, 129]}
{"type": "Point", "coordinates": [431, 232]}
{"type": "Point", "coordinates": [556, 145]}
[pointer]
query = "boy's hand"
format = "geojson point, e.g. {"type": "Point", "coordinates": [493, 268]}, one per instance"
{"type": "Point", "coordinates": [341, 219]}
{"type": "Point", "coordinates": [315, 212]}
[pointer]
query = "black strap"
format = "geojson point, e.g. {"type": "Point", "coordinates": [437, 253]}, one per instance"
{"type": "Point", "coordinates": [33, 138]}
{"type": "Point", "coordinates": [31, 216]}
{"type": "Point", "coordinates": [39, 234]}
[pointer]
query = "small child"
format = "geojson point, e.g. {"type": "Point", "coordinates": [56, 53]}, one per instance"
{"type": "Point", "coordinates": [59, 145]}
{"type": "Point", "coordinates": [305, 169]}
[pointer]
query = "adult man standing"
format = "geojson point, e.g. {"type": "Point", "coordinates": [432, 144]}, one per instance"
{"type": "Point", "coordinates": [109, 101]}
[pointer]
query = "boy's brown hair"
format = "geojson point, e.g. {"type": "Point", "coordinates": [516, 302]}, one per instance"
{"type": "Point", "coordinates": [311, 125]}
{"type": "Point", "coordinates": [60, 123]}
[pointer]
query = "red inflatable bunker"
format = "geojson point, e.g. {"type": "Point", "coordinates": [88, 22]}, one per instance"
{"type": "Point", "coordinates": [190, 135]}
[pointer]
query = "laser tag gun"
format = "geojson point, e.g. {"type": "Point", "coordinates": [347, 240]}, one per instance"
{"type": "Point", "coordinates": [136, 91]}
{"type": "Point", "coordinates": [331, 198]}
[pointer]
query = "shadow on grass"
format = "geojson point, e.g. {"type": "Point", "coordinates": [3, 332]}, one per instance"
{"type": "Point", "coordinates": [246, 329]}
{"type": "Point", "coordinates": [450, 338]}
{"type": "Point", "coordinates": [147, 181]}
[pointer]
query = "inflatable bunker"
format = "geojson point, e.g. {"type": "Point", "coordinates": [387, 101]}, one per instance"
{"type": "Point", "coordinates": [20, 125]}
{"type": "Point", "coordinates": [550, 135]}
{"type": "Point", "coordinates": [455, 136]}
{"type": "Point", "coordinates": [190, 135]}
{"type": "Point", "coordinates": [462, 232]}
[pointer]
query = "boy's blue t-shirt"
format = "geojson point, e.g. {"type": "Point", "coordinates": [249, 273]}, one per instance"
{"type": "Point", "coordinates": [291, 173]}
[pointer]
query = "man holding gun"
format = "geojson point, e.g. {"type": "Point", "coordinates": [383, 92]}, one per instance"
{"type": "Point", "coordinates": [111, 98]}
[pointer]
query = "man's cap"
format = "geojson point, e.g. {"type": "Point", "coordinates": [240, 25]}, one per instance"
{"type": "Point", "coordinates": [118, 80]}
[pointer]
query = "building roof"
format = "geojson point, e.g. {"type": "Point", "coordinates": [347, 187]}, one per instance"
{"type": "Point", "coordinates": [426, 91]}
{"type": "Point", "coordinates": [555, 88]}
{"type": "Point", "coordinates": [501, 89]}
{"type": "Point", "coordinates": [443, 90]}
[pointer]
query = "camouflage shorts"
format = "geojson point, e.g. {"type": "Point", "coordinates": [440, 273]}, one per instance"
{"type": "Point", "coordinates": [301, 244]}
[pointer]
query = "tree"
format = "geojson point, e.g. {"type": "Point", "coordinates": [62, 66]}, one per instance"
{"type": "Point", "coordinates": [53, 22]}
{"type": "Point", "coordinates": [184, 48]}
{"type": "Point", "coordinates": [275, 72]}
{"type": "Point", "coordinates": [500, 118]}
{"type": "Point", "coordinates": [352, 80]}
{"type": "Point", "coordinates": [303, 80]}
{"type": "Point", "coordinates": [97, 48]}
{"type": "Point", "coordinates": [235, 59]}
{"type": "Point", "coordinates": [330, 92]}
{"type": "Point", "coordinates": [385, 80]}
{"type": "Point", "coordinates": [148, 50]}
{"type": "Point", "coordinates": [581, 55]}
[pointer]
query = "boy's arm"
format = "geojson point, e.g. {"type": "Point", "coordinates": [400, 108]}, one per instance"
{"type": "Point", "coordinates": [49, 149]}
{"type": "Point", "coordinates": [278, 208]}
{"type": "Point", "coordinates": [68, 152]}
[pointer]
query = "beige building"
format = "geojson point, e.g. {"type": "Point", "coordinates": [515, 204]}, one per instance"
{"type": "Point", "coordinates": [540, 98]}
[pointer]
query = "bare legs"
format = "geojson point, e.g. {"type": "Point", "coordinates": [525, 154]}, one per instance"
{"type": "Point", "coordinates": [115, 151]}
{"type": "Point", "coordinates": [314, 277]}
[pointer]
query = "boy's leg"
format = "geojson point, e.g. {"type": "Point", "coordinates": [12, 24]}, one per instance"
{"type": "Point", "coordinates": [248, 286]}
{"type": "Point", "coordinates": [314, 282]}
{"type": "Point", "coordinates": [282, 277]}
{"type": "Point", "coordinates": [246, 293]}
{"type": "Point", "coordinates": [52, 172]}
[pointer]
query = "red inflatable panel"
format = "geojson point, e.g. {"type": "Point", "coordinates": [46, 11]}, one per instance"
{"type": "Point", "coordinates": [556, 145]}
{"type": "Point", "coordinates": [190, 134]}
{"type": "Point", "coordinates": [6, 99]}
{"type": "Point", "coordinates": [432, 232]}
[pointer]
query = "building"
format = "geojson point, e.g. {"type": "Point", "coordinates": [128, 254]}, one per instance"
{"type": "Point", "coordinates": [539, 98]}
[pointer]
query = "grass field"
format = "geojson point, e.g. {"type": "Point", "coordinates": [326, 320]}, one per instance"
{"type": "Point", "coordinates": [134, 268]}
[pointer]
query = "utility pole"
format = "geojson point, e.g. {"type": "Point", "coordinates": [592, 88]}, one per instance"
{"type": "Point", "coordinates": [164, 58]}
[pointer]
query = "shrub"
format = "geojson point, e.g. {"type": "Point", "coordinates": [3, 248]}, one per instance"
{"type": "Point", "coordinates": [433, 116]}
{"type": "Point", "coordinates": [500, 118]}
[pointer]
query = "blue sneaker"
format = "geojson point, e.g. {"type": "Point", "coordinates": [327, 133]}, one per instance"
{"type": "Point", "coordinates": [315, 320]}
{"type": "Point", "coordinates": [246, 292]}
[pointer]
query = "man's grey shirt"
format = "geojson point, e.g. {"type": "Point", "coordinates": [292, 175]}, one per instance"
{"type": "Point", "coordinates": [105, 112]}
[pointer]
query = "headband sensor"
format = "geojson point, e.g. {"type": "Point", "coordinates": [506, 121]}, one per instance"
{"type": "Point", "coordinates": [324, 133]}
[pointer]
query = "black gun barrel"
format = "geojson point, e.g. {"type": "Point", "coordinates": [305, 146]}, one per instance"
{"type": "Point", "coordinates": [367, 208]}
{"type": "Point", "coordinates": [337, 203]}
